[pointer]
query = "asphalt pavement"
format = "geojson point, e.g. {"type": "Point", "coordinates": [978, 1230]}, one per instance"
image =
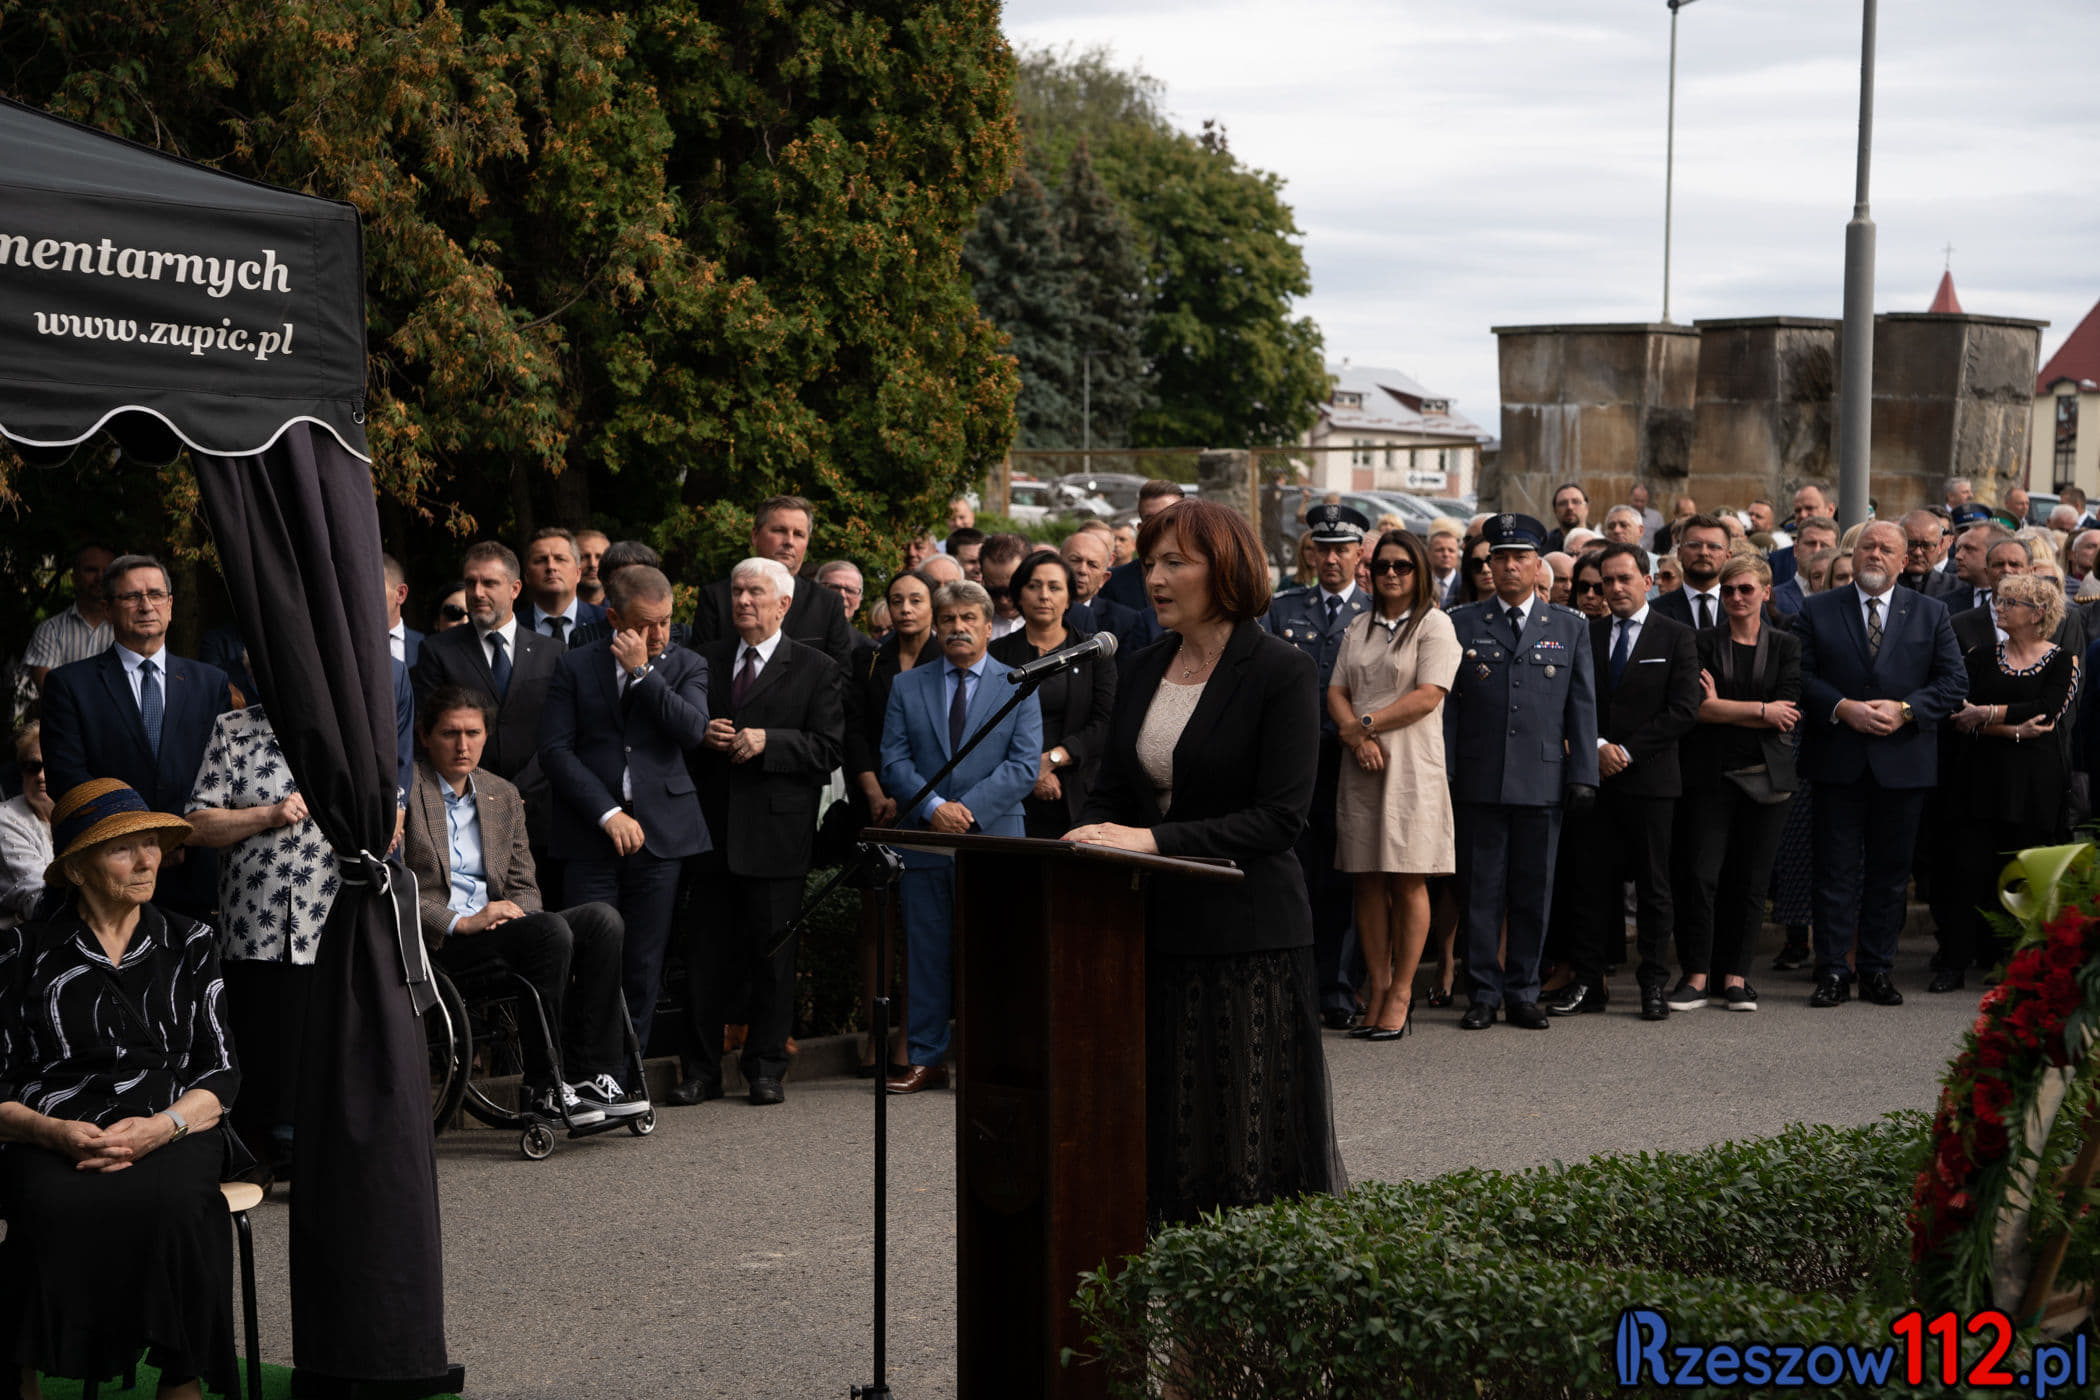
{"type": "Point", "coordinates": [728, 1254]}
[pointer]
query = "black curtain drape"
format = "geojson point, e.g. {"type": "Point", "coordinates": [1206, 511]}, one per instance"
{"type": "Point", "coordinates": [298, 539]}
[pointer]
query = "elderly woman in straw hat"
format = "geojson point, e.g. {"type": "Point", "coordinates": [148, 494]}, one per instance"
{"type": "Point", "coordinates": [115, 1067]}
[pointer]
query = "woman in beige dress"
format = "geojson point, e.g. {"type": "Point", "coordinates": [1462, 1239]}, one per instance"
{"type": "Point", "coordinates": [1393, 812]}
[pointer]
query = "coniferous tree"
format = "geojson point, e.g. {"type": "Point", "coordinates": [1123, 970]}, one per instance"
{"type": "Point", "coordinates": [1111, 298]}
{"type": "Point", "coordinates": [1024, 283]}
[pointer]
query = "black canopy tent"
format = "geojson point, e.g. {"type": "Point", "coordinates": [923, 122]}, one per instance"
{"type": "Point", "coordinates": [175, 306]}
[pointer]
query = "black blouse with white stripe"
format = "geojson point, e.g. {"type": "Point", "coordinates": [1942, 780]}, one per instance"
{"type": "Point", "coordinates": [86, 1040]}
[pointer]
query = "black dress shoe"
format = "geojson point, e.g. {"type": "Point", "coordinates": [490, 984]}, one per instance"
{"type": "Point", "coordinates": [1655, 1003]}
{"type": "Point", "coordinates": [1577, 999]}
{"type": "Point", "coordinates": [1337, 1019]}
{"type": "Point", "coordinates": [1945, 981]}
{"type": "Point", "coordinates": [692, 1091]}
{"type": "Point", "coordinates": [766, 1091]}
{"type": "Point", "coordinates": [1526, 1015]}
{"type": "Point", "coordinates": [1791, 957]}
{"type": "Point", "coordinates": [1438, 996]}
{"type": "Point", "coordinates": [1831, 989]}
{"type": "Point", "coordinates": [1880, 989]}
{"type": "Point", "coordinates": [1479, 1016]}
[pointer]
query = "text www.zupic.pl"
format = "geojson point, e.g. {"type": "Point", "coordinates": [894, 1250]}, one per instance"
{"type": "Point", "coordinates": [1927, 1351]}
{"type": "Point", "coordinates": [197, 339]}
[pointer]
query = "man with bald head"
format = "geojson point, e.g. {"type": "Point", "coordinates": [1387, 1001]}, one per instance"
{"type": "Point", "coordinates": [1880, 672]}
{"type": "Point", "coordinates": [1089, 554]}
{"type": "Point", "coordinates": [1561, 569]}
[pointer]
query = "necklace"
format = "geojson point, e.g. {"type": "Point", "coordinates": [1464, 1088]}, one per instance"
{"type": "Point", "coordinates": [1200, 663]}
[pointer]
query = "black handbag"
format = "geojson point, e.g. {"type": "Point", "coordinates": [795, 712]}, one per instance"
{"type": "Point", "coordinates": [1754, 782]}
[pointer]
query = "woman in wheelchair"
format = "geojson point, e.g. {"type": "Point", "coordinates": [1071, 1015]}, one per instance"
{"type": "Point", "coordinates": [115, 1067]}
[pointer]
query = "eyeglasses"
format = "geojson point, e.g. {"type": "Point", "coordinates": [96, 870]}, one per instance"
{"type": "Point", "coordinates": [1917, 546]}
{"type": "Point", "coordinates": [1391, 566]}
{"type": "Point", "coordinates": [1477, 562]}
{"type": "Point", "coordinates": [1701, 545]}
{"type": "Point", "coordinates": [1586, 587]}
{"type": "Point", "coordinates": [453, 612]}
{"type": "Point", "coordinates": [1741, 590]}
{"type": "Point", "coordinates": [32, 766]}
{"type": "Point", "coordinates": [2004, 603]}
{"type": "Point", "coordinates": [155, 596]}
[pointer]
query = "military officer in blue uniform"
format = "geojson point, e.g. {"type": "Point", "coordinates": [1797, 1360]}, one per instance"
{"type": "Point", "coordinates": [1313, 621]}
{"type": "Point", "coordinates": [1520, 741]}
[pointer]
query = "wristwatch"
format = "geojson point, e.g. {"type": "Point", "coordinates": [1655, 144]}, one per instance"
{"type": "Point", "coordinates": [1365, 721]}
{"type": "Point", "coordinates": [637, 673]}
{"type": "Point", "coordinates": [1909, 716]}
{"type": "Point", "coordinates": [182, 1129]}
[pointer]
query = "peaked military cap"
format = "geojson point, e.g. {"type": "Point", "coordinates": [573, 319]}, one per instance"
{"type": "Point", "coordinates": [1331, 524]}
{"type": "Point", "coordinates": [1514, 532]}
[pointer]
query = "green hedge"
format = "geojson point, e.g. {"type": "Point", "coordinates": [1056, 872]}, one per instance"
{"type": "Point", "coordinates": [1486, 1284]}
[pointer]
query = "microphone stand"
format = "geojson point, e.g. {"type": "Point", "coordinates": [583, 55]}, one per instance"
{"type": "Point", "coordinates": [875, 866]}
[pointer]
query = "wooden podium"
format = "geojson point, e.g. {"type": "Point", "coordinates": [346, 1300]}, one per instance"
{"type": "Point", "coordinates": [1050, 1116]}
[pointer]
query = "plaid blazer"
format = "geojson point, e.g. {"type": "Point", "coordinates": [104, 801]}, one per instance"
{"type": "Point", "coordinates": [426, 844]}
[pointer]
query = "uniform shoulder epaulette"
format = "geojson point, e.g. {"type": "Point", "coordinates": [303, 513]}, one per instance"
{"type": "Point", "coordinates": [1576, 613]}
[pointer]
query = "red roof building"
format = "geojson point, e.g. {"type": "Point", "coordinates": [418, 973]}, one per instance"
{"type": "Point", "coordinates": [1944, 301]}
{"type": "Point", "coordinates": [2077, 359]}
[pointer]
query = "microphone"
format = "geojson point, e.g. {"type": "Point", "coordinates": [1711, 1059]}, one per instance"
{"type": "Point", "coordinates": [1101, 644]}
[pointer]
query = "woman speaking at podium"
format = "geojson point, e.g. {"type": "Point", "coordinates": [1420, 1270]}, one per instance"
{"type": "Point", "coordinates": [1211, 753]}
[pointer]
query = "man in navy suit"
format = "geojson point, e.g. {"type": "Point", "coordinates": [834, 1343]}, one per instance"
{"type": "Point", "coordinates": [553, 568]}
{"type": "Point", "coordinates": [1880, 671]}
{"type": "Point", "coordinates": [1520, 739]}
{"type": "Point", "coordinates": [620, 718]}
{"type": "Point", "coordinates": [933, 711]}
{"type": "Point", "coordinates": [136, 713]}
{"type": "Point", "coordinates": [1126, 582]}
{"type": "Point", "coordinates": [1087, 553]}
{"type": "Point", "coordinates": [405, 641]}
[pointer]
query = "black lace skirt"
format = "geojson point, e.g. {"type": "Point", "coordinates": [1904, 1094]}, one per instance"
{"type": "Point", "coordinates": [1238, 1110]}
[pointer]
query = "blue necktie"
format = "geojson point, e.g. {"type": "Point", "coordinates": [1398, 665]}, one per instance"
{"type": "Point", "coordinates": [150, 704]}
{"type": "Point", "coordinates": [1620, 650]}
{"type": "Point", "coordinates": [958, 709]}
{"type": "Point", "coordinates": [1334, 606]}
{"type": "Point", "coordinates": [499, 665]}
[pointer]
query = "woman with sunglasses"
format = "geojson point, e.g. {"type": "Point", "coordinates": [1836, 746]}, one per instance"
{"type": "Point", "coordinates": [451, 610]}
{"type": "Point", "coordinates": [1738, 767]}
{"type": "Point", "coordinates": [1473, 581]}
{"type": "Point", "coordinates": [25, 832]}
{"type": "Point", "coordinates": [1393, 810]}
{"type": "Point", "coordinates": [1586, 594]}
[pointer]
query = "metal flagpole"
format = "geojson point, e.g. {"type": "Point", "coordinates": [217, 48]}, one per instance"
{"type": "Point", "coordinates": [1856, 402]}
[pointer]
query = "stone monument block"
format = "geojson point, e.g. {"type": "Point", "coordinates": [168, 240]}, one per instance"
{"type": "Point", "coordinates": [1952, 397]}
{"type": "Point", "coordinates": [1766, 412]}
{"type": "Point", "coordinates": [1606, 405]}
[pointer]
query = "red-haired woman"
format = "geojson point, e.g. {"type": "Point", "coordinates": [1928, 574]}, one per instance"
{"type": "Point", "coordinates": [1212, 752]}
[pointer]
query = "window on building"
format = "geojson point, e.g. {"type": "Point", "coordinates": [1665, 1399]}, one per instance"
{"type": "Point", "coordinates": [1348, 398]}
{"type": "Point", "coordinates": [1436, 405]}
{"type": "Point", "coordinates": [2066, 438]}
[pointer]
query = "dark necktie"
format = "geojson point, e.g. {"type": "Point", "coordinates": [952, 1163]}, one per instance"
{"type": "Point", "coordinates": [959, 709]}
{"type": "Point", "coordinates": [1516, 622]}
{"type": "Point", "coordinates": [557, 626]}
{"type": "Point", "coordinates": [1621, 649]}
{"type": "Point", "coordinates": [1334, 608]}
{"type": "Point", "coordinates": [499, 664]}
{"type": "Point", "coordinates": [1706, 612]}
{"type": "Point", "coordinates": [746, 674]}
{"type": "Point", "coordinates": [150, 704]}
{"type": "Point", "coordinates": [1873, 628]}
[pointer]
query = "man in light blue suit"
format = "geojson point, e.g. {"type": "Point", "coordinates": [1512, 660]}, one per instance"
{"type": "Point", "coordinates": [933, 711]}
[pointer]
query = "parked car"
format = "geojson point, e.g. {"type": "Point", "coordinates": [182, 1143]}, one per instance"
{"type": "Point", "coordinates": [1369, 504]}
{"type": "Point", "coordinates": [1119, 489]}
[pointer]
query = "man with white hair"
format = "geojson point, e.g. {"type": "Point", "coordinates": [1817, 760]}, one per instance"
{"type": "Point", "coordinates": [2078, 560]}
{"type": "Point", "coordinates": [1880, 672]}
{"type": "Point", "coordinates": [1960, 491]}
{"type": "Point", "coordinates": [620, 717]}
{"type": "Point", "coordinates": [2064, 518]}
{"type": "Point", "coordinates": [776, 729]}
{"type": "Point", "coordinates": [780, 530]}
{"type": "Point", "coordinates": [1624, 525]}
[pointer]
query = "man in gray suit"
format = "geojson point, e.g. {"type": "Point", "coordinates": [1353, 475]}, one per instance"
{"type": "Point", "coordinates": [1520, 738]}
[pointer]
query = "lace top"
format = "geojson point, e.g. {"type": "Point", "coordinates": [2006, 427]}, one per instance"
{"type": "Point", "coordinates": [1165, 718]}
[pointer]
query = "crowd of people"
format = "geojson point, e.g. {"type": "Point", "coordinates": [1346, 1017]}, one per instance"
{"type": "Point", "coordinates": [1478, 747]}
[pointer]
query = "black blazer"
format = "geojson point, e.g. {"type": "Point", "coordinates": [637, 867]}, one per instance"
{"type": "Point", "coordinates": [1676, 605]}
{"type": "Point", "coordinates": [1701, 752]}
{"type": "Point", "coordinates": [1077, 702]}
{"type": "Point", "coordinates": [1652, 706]}
{"type": "Point", "coordinates": [457, 656]}
{"type": "Point", "coordinates": [92, 729]}
{"type": "Point", "coordinates": [763, 812]}
{"type": "Point", "coordinates": [868, 700]}
{"type": "Point", "coordinates": [1243, 785]}
{"type": "Point", "coordinates": [588, 737]}
{"type": "Point", "coordinates": [815, 618]}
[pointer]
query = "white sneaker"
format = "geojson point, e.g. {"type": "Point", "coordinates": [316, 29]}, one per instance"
{"type": "Point", "coordinates": [580, 1113]}
{"type": "Point", "coordinates": [604, 1096]}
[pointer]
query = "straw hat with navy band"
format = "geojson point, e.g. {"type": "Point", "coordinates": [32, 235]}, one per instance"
{"type": "Point", "coordinates": [102, 809]}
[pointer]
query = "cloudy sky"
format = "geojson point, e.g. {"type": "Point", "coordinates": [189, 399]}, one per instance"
{"type": "Point", "coordinates": [1461, 164]}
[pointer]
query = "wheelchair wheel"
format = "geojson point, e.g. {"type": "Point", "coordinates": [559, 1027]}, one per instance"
{"type": "Point", "coordinates": [450, 1049]}
{"type": "Point", "coordinates": [536, 1142]}
{"type": "Point", "coordinates": [644, 1125]}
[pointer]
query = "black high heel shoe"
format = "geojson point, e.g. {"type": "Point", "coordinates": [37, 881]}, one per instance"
{"type": "Point", "coordinates": [1381, 1033]}
{"type": "Point", "coordinates": [1439, 996]}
